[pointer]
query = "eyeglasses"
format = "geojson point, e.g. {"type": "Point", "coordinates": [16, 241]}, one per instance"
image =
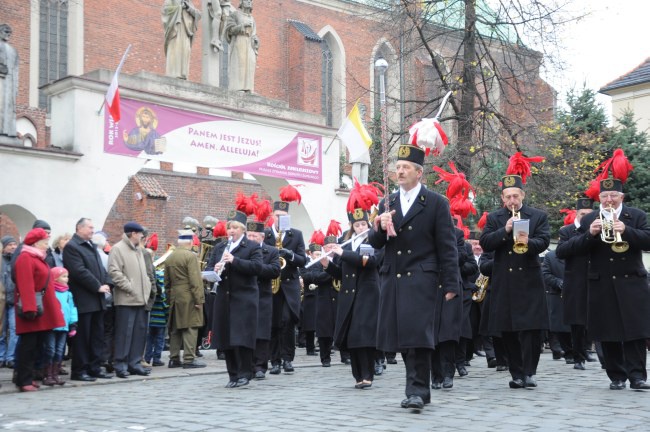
{"type": "Point", "coordinates": [612, 195]}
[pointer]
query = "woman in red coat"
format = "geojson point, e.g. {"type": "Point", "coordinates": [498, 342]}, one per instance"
{"type": "Point", "coordinates": [32, 276]}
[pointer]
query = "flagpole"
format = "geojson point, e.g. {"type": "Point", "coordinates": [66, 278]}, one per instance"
{"type": "Point", "coordinates": [381, 66]}
{"type": "Point", "coordinates": [117, 71]}
{"type": "Point", "coordinates": [330, 145]}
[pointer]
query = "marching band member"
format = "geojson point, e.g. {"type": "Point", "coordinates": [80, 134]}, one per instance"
{"type": "Point", "coordinates": [286, 302]}
{"type": "Point", "coordinates": [310, 278]}
{"type": "Point", "coordinates": [236, 304]}
{"type": "Point", "coordinates": [355, 264]}
{"type": "Point", "coordinates": [518, 303]}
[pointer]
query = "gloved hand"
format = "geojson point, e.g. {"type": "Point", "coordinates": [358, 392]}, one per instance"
{"type": "Point", "coordinates": [30, 316]}
{"type": "Point", "coordinates": [286, 254]}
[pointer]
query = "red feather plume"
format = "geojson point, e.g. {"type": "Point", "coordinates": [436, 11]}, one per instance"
{"type": "Point", "coordinates": [364, 196]}
{"type": "Point", "coordinates": [461, 226]}
{"type": "Point", "coordinates": [618, 164]}
{"type": "Point", "coordinates": [263, 210]}
{"type": "Point", "coordinates": [334, 228]}
{"type": "Point", "coordinates": [458, 184]}
{"type": "Point", "coordinates": [482, 221]}
{"type": "Point", "coordinates": [520, 165]}
{"type": "Point", "coordinates": [593, 190]}
{"type": "Point", "coordinates": [570, 216]}
{"type": "Point", "coordinates": [219, 229]}
{"type": "Point", "coordinates": [246, 204]}
{"type": "Point", "coordinates": [317, 238]}
{"type": "Point", "coordinates": [290, 194]}
{"type": "Point", "coordinates": [152, 243]}
{"type": "Point", "coordinates": [460, 206]}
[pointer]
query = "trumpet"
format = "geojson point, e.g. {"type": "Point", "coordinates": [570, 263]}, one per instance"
{"type": "Point", "coordinates": [519, 247]}
{"type": "Point", "coordinates": [607, 233]}
{"type": "Point", "coordinates": [215, 286]}
{"type": "Point", "coordinates": [275, 283]}
{"type": "Point", "coordinates": [482, 284]}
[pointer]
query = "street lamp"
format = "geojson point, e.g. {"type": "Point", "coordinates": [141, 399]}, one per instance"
{"type": "Point", "coordinates": [381, 65]}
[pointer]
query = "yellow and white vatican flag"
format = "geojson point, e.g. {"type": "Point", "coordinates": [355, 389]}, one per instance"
{"type": "Point", "coordinates": [354, 134]}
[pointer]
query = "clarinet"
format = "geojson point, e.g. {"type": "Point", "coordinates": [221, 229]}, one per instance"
{"type": "Point", "coordinates": [215, 286]}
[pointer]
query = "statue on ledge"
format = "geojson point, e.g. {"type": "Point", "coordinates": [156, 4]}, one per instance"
{"type": "Point", "coordinates": [180, 19]}
{"type": "Point", "coordinates": [244, 45]}
{"type": "Point", "coordinates": [8, 83]}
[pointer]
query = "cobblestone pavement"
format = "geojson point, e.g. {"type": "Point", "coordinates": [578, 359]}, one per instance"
{"type": "Point", "coordinates": [323, 399]}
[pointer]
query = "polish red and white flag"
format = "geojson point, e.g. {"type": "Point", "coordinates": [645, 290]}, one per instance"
{"type": "Point", "coordinates": [113, 94]}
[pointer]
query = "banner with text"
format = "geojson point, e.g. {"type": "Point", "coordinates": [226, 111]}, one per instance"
{"type": "Point", "coordinates": [167, 134]}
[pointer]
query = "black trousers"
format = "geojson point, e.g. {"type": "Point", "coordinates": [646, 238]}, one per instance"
{"type": "Point", "coordinates": [130, 336]}
{"type": "Point", "coordinates": [579, 342]}
{"type": "Point", "coordinates": [418, 371]}
{"type": "Point", "coordinates": [488, 346]}
{"type": "Point", "coordinates": [283, 343]}
{"type": "Point", "coordinates": [462, 352]}
{"type": "Point", "coordinates": [239, 362]}
{"type": "Point", "coordinates": [28, 351]}
{"type": "Point", "coordinates": [625, 360]}
{"type": "Point", "coordinates": [363, 363]}
{"type": "Point", "coordinates": [523, 349]}
{"type": "Point", "coordinates": [89, 346]}
{"type": "Point", "coordinates": [443, 361]}
{"type": "Point", "coordinates": [261, 355]}
{"type": "Point", "coordinates": [309, 341]}
{"type": "Point", "coordinates": [325, 344]}
{"type": "Point", "coordinates": [109, 335]}
{"type": "Point", "coordinates": [500, 352]}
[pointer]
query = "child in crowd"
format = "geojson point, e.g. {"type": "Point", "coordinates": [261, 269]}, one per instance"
{"type": "Point", "coordinates": [55, 344]}
{"type": "Point", "coordinates": [157, 324]}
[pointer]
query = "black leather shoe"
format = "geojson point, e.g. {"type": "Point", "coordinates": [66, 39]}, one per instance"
{"type": "Point", "coordinates": [391, 361]}
{"type": "Point", "coordinates": [379, 369]}
{"type": "Point", "coordinates": [502, 368]}
{"type": "Point", "coordinates": [325, 364]}
{"type": "Point", "coordinates": [530, 381]}
{"type": "Point", "coordinates": [557, 355]}
{"type": "Point", "coordinates": [241, 382]}
{"type": "Point", "coordinates": [462, 371]}
{"type": "Point", "coordinates": [311, 353]}
{"type": "Point", "coordinates": [467, 363]}
{"type": "Point", "coordinates": [436, 385]}
{"type": "Point", "coordinates": [288, 367]}
{"type": "Point", "coordinates": [569, 360]}
{"type": "Point", "coordinates": [414, 402]}
{"type": "Point", "coordinates": [492, 363]}
{"type": "Point", "coordinates": [231, 384]}
{"type": "Point", "coordinates": [259, 375]}
{"type": "Point", "coordinates": [157, 363]}
{"type": "Point", "coordinates": [174, 364]}
{"type": "Point", "coordinates": [579, 365]}
{"type": "Point", "coordinates": [275, 370]}
{"type": "Point", "coordinates": [140, 371]}
{"type": "Point", "coordinates": [591, 358]}
{"type": "Point", "coordinates": [639, 385]}
{"type": "Point", "coordinates": [404, 403]}
{"type": "Point", "coordinates": [122, 374]}
{"type": "Point", "coordinates": [617, 385]}
{"type": "Point", "coordinates": [517, 384]}
{"type": "Point", "coordinates": [479, 353]}
{"type": "Point", "coordinates": [101, 374]}
{"type": "Point", "coordinates": [221, 356]}
{"type": "Point", "coordinates": [194, 365]}
{"type": "Point", "coordinates": [82, 377]}
{"type": "Point", "coordinates": [447, 382]}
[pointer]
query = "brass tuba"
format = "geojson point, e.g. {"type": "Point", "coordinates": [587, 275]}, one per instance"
{"type": "Point", "coordinates": [481, 283]}
{"type": "Point", "coordinates": [275, 283]}
{"type": "Point", "coordinates": [204, 254]}
{"type": "Point", "coordinates": [607, 234]}
{"type": "Point", "coordinates": [518, 247]}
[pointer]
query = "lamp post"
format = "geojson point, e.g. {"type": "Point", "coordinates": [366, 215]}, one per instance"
{"type": "Point", "coordinates": [381, 65]}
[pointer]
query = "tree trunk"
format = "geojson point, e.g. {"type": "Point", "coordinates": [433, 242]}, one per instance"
{"type": "Point", "coordinates": [466, 115]}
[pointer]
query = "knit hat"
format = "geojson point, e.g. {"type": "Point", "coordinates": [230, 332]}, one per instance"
{"type": "Point", "coordinates": [56, 272]}
{"type": "Point", "coordinates": [6, 240]}
{"type": "Point", "coordinates": [35, 235]}
{"type": "Point", "coordinates": [42, 224]}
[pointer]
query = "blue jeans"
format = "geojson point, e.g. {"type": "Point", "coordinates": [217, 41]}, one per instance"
{"type": "Point", "coordinates": [155, 344]}
{"type": "Point", "coordinates": [8, 350]}
{"type": "Point", "coordinates": [54, 347]}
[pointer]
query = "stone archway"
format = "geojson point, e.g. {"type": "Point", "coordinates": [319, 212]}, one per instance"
{"type": "Point", "coordinates": [20, 216]}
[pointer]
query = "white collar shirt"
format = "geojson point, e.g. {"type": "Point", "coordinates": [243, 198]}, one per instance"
{"type": "Point", "coordinates": [407, 198]}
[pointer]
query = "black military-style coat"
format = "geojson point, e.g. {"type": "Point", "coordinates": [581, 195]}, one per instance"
{"type": "Point", "coordinates": [553, 272]}
{"type": "Point", "coordinates": [468, 270]}
{"type": "Point", "coordinates": [269, 271]}
{"type": "Point", "coordinates": [358, 300]}
{"type": "Point", "coordinates": [619, 296]}
{"type": "Point", "coordinates": [420, 261]}
{"type": "Point", "coordinates": [309, 299]}
{"type": "Point", "coordinates": [289, 293]}
{"type": "Point", "coordinates": [326, 299]}
{"type": "Point", "coordinates": [518, 300]}
{"type": "Point", "coordinates": [235, 310]}
{"type": "Point", "coordinates": [574, 288]}
{"type": "Point", "coordinates": [485, 265]}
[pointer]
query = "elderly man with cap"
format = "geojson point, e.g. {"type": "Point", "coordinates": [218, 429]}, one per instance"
{"type": "Point", "coordinates": [574, 287]}
{"type": "Point", "coordinates": [184, 289]}
{"type": "Point", "coordinates": [89, 284]}
{"type": "Point", "coordinates": [420, 258]}
{"type": "Point", "coordinates": [518, 300]}
{"type": "Point", "coordinates": [132, 288]}
{"type": "Point", "coordinates": [286, 300]}
{"type": "Point", "coordinates": [619, 296]}
{"type": "Point", "coordinates": [8, 338]}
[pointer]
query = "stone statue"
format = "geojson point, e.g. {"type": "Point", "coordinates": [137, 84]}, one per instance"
{"type": "Point", "coordinates": [180, 19]}
{"type": "Point", "coordinates": [8, 83]}
{"type": "Point", "coordinates": [219, 11]}
{"type": "Point", "coordinates": [244, 44]}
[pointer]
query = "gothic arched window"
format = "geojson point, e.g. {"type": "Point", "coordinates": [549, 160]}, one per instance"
{"type": "Point", "coordinates": [327, 81]}
{"type": "Point", "coordinates": [53, 44]}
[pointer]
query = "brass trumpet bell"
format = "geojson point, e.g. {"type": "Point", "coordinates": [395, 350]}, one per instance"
{"type": "Point", "coordinates": [607, 233]}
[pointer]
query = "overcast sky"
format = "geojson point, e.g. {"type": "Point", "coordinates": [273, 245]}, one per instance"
{"type": "Point", "coordinates": [611, 41]}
